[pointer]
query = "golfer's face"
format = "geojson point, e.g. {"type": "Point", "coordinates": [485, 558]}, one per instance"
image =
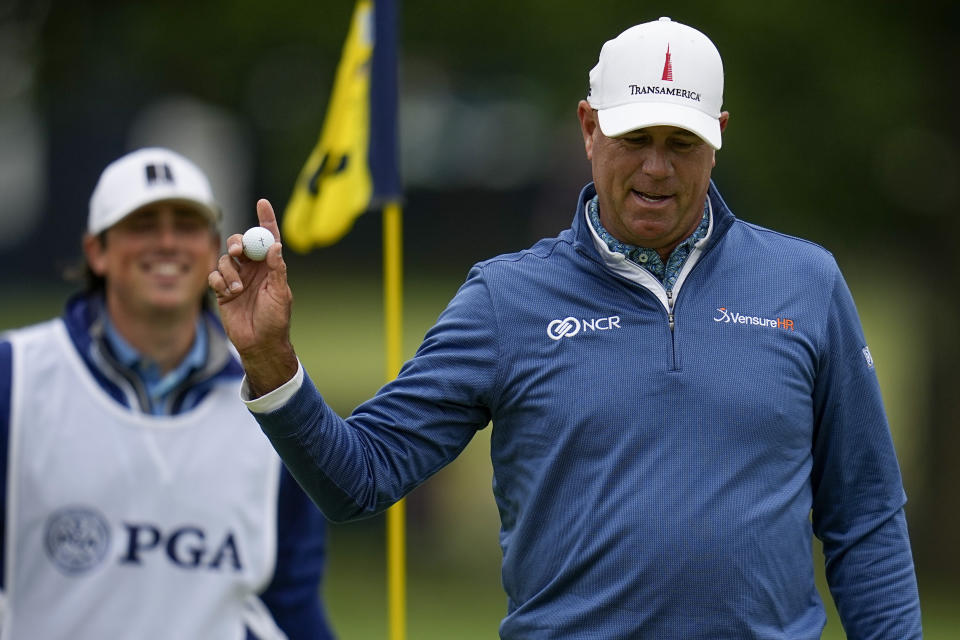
{"type": "Point", "coordinates": [651, 182]}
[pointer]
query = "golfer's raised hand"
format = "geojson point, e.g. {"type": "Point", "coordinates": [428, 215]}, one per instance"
{"type": "Point", "coordinates": [255, 302]}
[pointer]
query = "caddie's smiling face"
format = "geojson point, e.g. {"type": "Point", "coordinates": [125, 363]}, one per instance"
{"type": "Point", "coordinates": [651, 182]}
{"type": "Point", "coordinates": [155, 260]}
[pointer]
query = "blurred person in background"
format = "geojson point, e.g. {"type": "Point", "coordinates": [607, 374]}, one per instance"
{"type": "Point", "coordinates": [673, 393]}
{"type": "Point", "coordinates": [137, 502]}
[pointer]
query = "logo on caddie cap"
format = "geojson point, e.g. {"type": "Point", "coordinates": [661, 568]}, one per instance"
{"type": "Point", "coordinates": [159, 172]}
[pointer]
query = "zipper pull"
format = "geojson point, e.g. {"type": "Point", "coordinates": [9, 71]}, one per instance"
{"type": "Point", "coordinates": [670, 309]}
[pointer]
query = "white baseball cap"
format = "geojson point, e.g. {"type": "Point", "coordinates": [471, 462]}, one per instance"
{"type": "Point", "coordinates": [146, 176]}
{"type": "Point", "coordinates": [658, 73]}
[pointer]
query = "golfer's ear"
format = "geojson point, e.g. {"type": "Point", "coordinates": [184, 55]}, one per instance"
{"type": "Point", "coordinates": [588, 125]}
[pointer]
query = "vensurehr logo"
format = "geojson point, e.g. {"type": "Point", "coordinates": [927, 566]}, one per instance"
{"type": "Point", "coordinates": [738, 318]}
{"type": "Point", "coordinates": [570, 326]}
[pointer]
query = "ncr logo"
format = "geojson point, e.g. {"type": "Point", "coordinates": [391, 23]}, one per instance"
{"type": "Point", "coordinates": [570, 326]}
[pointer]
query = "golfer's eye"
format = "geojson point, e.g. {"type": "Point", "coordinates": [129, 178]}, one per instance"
{"type": "Point", "coordinates": [636, 141]}
{"type": "Point", "coordinates": [683, 144]}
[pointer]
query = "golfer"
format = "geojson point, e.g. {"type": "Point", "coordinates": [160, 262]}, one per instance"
{"type": "Point", "coordinates": [672, 392]}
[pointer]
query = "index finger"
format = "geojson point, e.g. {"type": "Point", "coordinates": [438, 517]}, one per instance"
{"type": "Point", "coordinates": [267, 218]}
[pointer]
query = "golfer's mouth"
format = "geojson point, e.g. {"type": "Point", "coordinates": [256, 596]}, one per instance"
{"type": "Point", "coordinates": [652, 198]}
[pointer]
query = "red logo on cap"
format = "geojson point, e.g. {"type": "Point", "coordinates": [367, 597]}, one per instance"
{"type": "Point", "coordinates": [667, 67]}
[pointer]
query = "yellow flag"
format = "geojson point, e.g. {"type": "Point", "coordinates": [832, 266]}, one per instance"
{"type": "Point", "coordinates": [335, 187]}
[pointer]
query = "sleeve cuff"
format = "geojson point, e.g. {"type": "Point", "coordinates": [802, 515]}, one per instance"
{"type": "Point", "coordinates": [276, 398]}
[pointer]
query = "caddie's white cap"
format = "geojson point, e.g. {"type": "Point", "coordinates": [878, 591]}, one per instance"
{"type": "Point", "coordinates": [145, 176]}
{"type": "Point", "coordinates": [658, 73]}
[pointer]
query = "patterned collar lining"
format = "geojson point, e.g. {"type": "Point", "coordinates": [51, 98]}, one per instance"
{"type": "Point", "coordinates": [649, 259]}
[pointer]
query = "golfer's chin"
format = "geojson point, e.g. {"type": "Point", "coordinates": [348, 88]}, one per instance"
{"type": "Point", "coordinates": [649, 229]}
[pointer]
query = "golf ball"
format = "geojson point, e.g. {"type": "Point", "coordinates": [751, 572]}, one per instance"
{"type": "Point", "coordinates": [256, 241]}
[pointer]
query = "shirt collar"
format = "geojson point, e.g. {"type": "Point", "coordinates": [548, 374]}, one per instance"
{"type": "Point", "coordinates": [147, 369]}
{"type": "Point", "coordinates": [643, 255]}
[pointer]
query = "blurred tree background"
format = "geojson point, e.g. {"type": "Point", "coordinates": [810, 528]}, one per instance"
{"type": "Point", "coordinates": [842, 131]}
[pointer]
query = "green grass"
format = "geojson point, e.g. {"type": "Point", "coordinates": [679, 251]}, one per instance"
{"type": "Point", "coordinates": [444, 599]}
{"type": "Point", "coordinates": [453, 588]}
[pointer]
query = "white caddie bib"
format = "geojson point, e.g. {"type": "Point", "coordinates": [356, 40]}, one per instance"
{"type": "Point", "coordinates": [124, 525]}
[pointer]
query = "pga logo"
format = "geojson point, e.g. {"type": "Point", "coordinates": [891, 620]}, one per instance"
{"type": "Point", "coordinates": [77, 539]}
{"type": "Point", "coordinates": [186, 547]}
{"type": "Point", "coordinates": [570, 326]}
